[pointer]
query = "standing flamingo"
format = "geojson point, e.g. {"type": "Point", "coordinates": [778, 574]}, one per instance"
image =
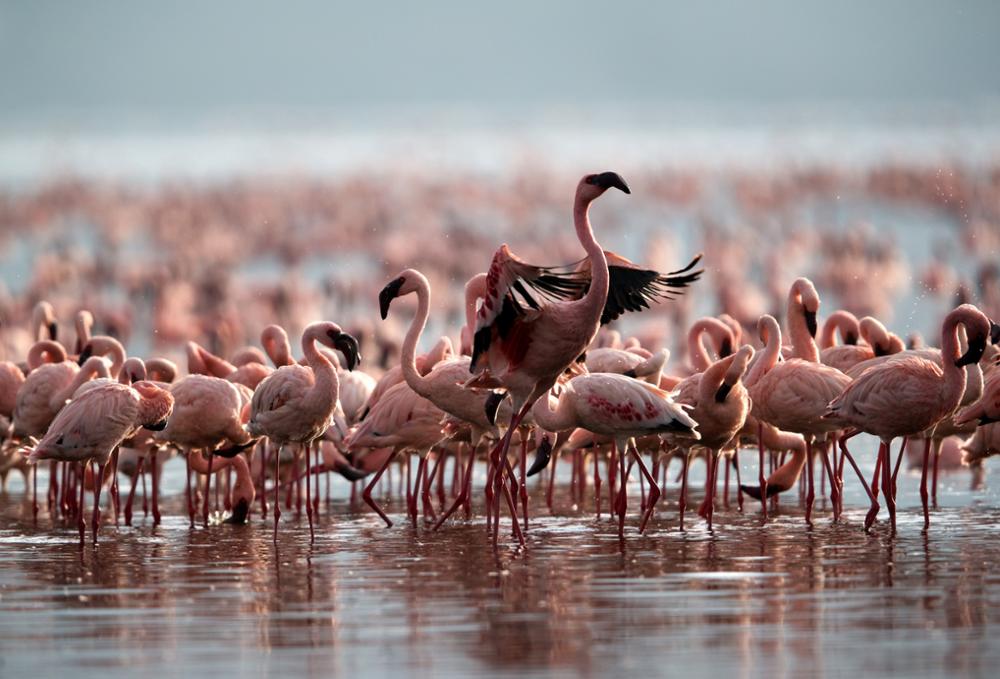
{"type": "Point", "coordinates": [294, 404]}
{"type": "Point", "coordinates": [619, 407]}
{"type": "Point", "coordinates": [96, 423]}
{"type": "Point", "coordinates": [907, 395]}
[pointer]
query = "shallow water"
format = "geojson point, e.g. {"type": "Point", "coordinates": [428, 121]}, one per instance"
{"type": "Point", "coordinates": [744, 600]}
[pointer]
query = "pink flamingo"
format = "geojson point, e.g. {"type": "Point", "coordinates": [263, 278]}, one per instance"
{"type": "Point", "coordinates": [475, 289]}
{"type": "Point", "coordinates": [721, 335]}
{"type": "Point", "coordinates": [401, 421]}
{"type": "Point", "coordinates": [793, 395]}
{"type": "Point", "coordinates": [628, 362]}
{"type": "Point", "coordinates": [719, 403]}
{"type": "Point", "coordinates": [294, 404]}
{"type": "Point", "coordinates": [525, 350]}
{"type": "Point", "coordinates": [878, 342]}
{"type": "Point", "coordinates": [908, 395]}
{"type": "Point", "coordinates": [621, 408]}
{"type": "Point", "coordinates": [441, 385]}
{"type": "Point", "coordinates": [96, 423]}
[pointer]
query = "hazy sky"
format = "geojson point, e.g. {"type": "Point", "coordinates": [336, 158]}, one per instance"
{"type": "Point", "coordinates": [112, 61]}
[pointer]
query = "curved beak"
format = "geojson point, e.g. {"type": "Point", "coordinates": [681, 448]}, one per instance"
{"type": "Point", "coordinates": [85, 353]}
{"type": "Point", "coordinates": [722, 392]}
{"type": "Point", "coordinates": [974, 353]}
{"type": "Point", "coordinates": [389, 293]}
{"type": "Point", "coordinates": [492, 405]}
{"type": "Point", "coordinates": [726, 349]}
{"type": "Point", "coordinates": [811, 322]}
{"type": "Point", "coordinates": [157, 426]}
{"type": "Point", "coordinates": [543, 453]}
{"type": "Point", "coordinates": [608, 180]}
{"type": "Point", "coordinates": [994, 332]}
{"type": "Point", "coordinates": [348, 346]}
{"type": "Point", "coordinates": [233, 451]}
{"type": "Point", "coordinates": [54, 331]}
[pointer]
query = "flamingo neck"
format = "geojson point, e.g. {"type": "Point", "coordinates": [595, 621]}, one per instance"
{"type": "Point", "coordinates": [955, 378]}
{"type": "Point", "coordinates": [561, 419]}
{"type": "Point", "coordinates": [45, 351]}
{"type": "Point", "coordinates": [411, 374]}
{"type": "Point", "coordinates": [327, 384]}
{"type": "Point", "coordinates": [802, 342]}
{"type": "Point", "coordinates": [597, 294]}
{"type": "Point", "coordinates": [768, 356]}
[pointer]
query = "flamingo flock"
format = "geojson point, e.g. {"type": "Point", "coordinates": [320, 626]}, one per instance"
{"type": "Point", "coordinates": [539, 375]}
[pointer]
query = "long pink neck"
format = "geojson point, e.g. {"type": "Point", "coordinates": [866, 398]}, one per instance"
{"type": "Point", "coordinates": [955, 378]}
{"type": "Point", "coordinates": [802, 342]}
{"type": "Point", "coordinates": [475, 289]}
{"type": "Point", "coordinates": [768, 357]}
{"type": "Point", "coordinates": [417, 382]}
{"type": "Point", "coordinates": [716, 330]}
{"type": "Point", "coordinates": [327, 386]}
{"type": "Point", "coordinates": [840, 321]}
{"type": "Point", "coordinates": [597, 295]}
{"type": "Point", "coordinates": [93, 367]}
{"type": "Point", "coordinates": [563, 418]}
{"type": "Point", "coordinates": [45, 351]}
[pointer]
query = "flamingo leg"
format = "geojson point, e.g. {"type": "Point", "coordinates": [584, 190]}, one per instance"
{"type": "Point", "coordinates": [810, 481]}
{"type": "Point", "coordinates": [80, 524]}
{"type": "Point", "coordinates": [53, 486]}
{"type": "Point", "coordinates": [890, 501]}
{"type": "Point", "coordinates": [739, 483]}
{"type": "Point", "coordinates": [425, 495]}
{"type": "Point", "coordinates": [131, 492]}
{"type": "Point", "coordinates": [95, 520]}
{"type": "Point", "coordinates": [187, 487]}
{"type": "Point", "coordinates": [463, 494]}
{"type": "Point", "coordinates": [156, 487]}
{"type": "Point", "coordinates": [873, 511]}
{"type": "Point", "coordinates": [524, 479]}
{"type": "Point", "coordinates": [934, 478]}
{"type": "Point", "coordinates": [34, 495]}
{"type": "Point", "coordinates": [877, 476]}
{"type": "Point", "coordinates": [208, 483]}
{"type": "Point", "coordinates": [923, 484]}
{"type": "Point", "coordinates": [654, 489]}
{"type": "Point", "coordinates": [309, 504]}
{"type": "Point", "coordinates": [725, 491]}
{"type": "Point", "coordinates": [114, 482]}
{"type": "Point", "coordinates": [762, 479]}
{"type": "Point", "coordinates": [263, 479]}
{"type": "Point", "coordinates": [366, 494]}
{"type": "Point", "coordinates": [277, 498]}
{"type": "Point", "coordinates": [834, 488]}
{"type": "Point", "coordinates": [597, 483]}
{"type": "Point", "coordinates": [411, 496]}
{"type": "Point", "coordinates": [622, 504]}
{"type": "Point", "coordinates": [682, 503]}
{"type": "Point", "coordinates": [895, 469]}
{"type": "Point", "coordinates": [142, 477]}
{"type": "Point", "coordinates": [319, 462]}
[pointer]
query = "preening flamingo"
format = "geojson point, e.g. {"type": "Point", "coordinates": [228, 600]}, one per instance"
{"type": "Point", "coordinates": [910, 394]}
{"type": "Point", "coordinates": [294, 404]}
{"type": "Point", "coordinates": [90, 427]}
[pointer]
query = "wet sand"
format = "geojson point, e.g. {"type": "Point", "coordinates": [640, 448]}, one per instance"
{"type": "Point", "coordinates": [745, 600]}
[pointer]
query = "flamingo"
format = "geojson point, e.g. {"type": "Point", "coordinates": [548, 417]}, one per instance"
{"type": "Point", "coordinates": [628, 362]}
{"type": "Point", "coordinates": [525, 350]}
{"type": "Point", "coordinates": [442, 384]}
{"type": "Point", "coordinates": [93, 425]}
{"type": "Point", "coordinates": [294, 404]}
{"type": "Point", "coordinates": [719, 403]}
{"type": "Point", "coordinates": [793, 395]}
{"type": "Point", "coordinates": [908, 395]}
{"type": "Point", "coordinates": [619, 407]}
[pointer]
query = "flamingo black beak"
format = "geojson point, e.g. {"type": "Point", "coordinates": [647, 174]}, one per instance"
{"type": "Point", "coordinates": [350, 472]}
{"type": "Point", "coordinates": [233, 451]}
{"type": "Point", "coordinates": [994, 332]}
{"type": "Point", "coordinates": [157, 426]}
{"type": "Point", "coordinates": [986, 419]}
{"type": "Point", "coordinates": [811, 322]}
{"type": "Point", "coordinates": [723, 392]}
{"type": "Point", "coordinates": [726, 349]}
{"type": "Point", "coordinates": [974, 353]}
{"type": "Point", "coordinates": [630, 373]}
{"type": "Point", "coordinates": [241, 510]}
{"type": "Point", "coordinates": [608, 180]}
{"type": "Point", "coordinates": [54, 331]}
{"type": "Point", "coordinates": [543, 453]}
{"type": "Point", "coordinates": [879, 350]}
{"type": "Point", "coordinates": [492, 405]}
{"type": "Point", "coordinates": [348, 346]}
{"type": "Point", "coordinates": [851, 339]}
{"type": "Point", "coordinates": [85, 353]}
{"type": "Point", "coordinates": [389, 293]}
{"type": "Point", "coordinates": [754, 491]}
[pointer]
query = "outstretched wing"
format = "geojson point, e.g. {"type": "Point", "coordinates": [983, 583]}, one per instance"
{"type": "Point", "coordinates": [513, 287]}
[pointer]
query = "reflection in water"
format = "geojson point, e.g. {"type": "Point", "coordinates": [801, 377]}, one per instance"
{"type": "Point", "coordinates": [746, 600]}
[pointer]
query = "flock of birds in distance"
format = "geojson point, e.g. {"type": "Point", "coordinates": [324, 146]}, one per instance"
{"type": "Point", "coordinates": [535, 373]}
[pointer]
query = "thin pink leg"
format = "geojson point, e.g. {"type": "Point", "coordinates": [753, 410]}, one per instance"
{"type": "Point", "coordinates": [762, 479]}
{"type": "Point", "coordinates": [208, 483]}
{"type": "Point", "coordinates": [81, 525]}
{"type": "Point", "coordinates": [309, 503]}
{"type": "Point", "coordinates": [366, 495]}
{"type": "Point", "coordinates": [682, 503]}
{"type": "Point", "coordinates": [156, 487]}
{"type": "Point", "coordinates": [277, 498]}
{"type": "Point", "coordinates": [810, 482]}
{"type": "Point", "coordinates": [95, 521]}
{"type": "Point", "coordinates": [923, 484]}
{"type": "Point", "coordinates": [463, 494]}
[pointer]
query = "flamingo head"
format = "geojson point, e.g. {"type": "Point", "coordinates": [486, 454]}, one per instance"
{"type": "Point", "coordinates": [979, 330]}
{"type": "Point", "coordinates": [593, 185]}
{"type": "Point", "coordinates": [406, 282]}
{"type": "Point", "coordinates": [346, 344]}
{"type": "Point", "coordinates": [155, 405]}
